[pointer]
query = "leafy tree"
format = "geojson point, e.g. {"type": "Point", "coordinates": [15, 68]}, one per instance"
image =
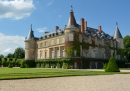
{"type": "Point", "coordinates": [19, 53]}
{"type": "Point", "coordinates": [126, 41]}
{"type": "Point", "coordinates": [10, 55]}
{"type": "Point", "coordinates": [1, 56]}
{"type": "Point", "coordinates": [105, 66]}
{"type": "Point", "coordinates": [112, 66]}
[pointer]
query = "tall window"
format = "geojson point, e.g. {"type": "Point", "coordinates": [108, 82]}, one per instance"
{"type": "Point", "coordinates": [52, 42]}
{"type": "Point", "coordinates": [46, 44]}
{"type": "Point", "coordinates": [41, 45]}
{"type": "Point", "coordinates": [45, 54]}
{"type": "Point", "coordinates": [63, 40]}
{"type": "Point", "coordinates": [63, 53]}
{"type": "Point", "coordinates": [58, 53]}
{"type": "Point", "coordinates": [52, 54]}
{"type": "Point", "coordinates": [80, 38]}
{"type": "Point", "coordinates": [71, 37]}
{"type": "Point", "coordinates": [57, 41]}
{"type": "Point", "coordinates": [41, 54]}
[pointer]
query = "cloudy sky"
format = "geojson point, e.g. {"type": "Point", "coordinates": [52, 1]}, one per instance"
{"type": "Point", "coordinates": [16, 16]}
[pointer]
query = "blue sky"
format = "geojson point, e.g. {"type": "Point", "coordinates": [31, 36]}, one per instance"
{"type": "Point", "coordinates": [16, 16]}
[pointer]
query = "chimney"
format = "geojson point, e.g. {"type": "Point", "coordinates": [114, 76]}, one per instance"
{"type": "Point", "coordinates": [85, 25]}
{"type": "Point", "coordinates": [99, 28]}
{"type": "Point", "coordinates": [82, 25]}
{"type": "Point", "coordinates": [71, 18]}
{"type": "Point", "coordinates": [57, 28]}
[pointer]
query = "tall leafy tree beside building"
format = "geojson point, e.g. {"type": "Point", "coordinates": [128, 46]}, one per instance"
{"type": "Point", "coordinates": [126, 41]}
{"type": "Point", "coordinates": [19, 53]}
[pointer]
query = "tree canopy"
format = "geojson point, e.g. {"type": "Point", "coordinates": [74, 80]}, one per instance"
{"type": "Point", "coordinates": [19, 53]}
{"type": "Point", "coordinates": [1, 56]}
{"type": "Point", "coordinates": [126, 41]}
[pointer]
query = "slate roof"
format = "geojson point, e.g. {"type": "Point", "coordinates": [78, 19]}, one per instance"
{"type": "Point", "coordinates": [117, 33]}
{"type": "Point", "coordinates": [93, 32]}
{"type": "Point", "coordinates": [31, 35]}
{"type": "Point", "coordinates": [74, 25]}
{"type": "Point", "coordinates": [52, 33]}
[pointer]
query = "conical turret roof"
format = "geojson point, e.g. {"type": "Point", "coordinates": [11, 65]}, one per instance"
{"type": "Point", "coordinates": [72, 22]}
{"type": "Point", "coordinates": [30, 34]}
{"type": "Point", "coordinates": [117, 33]}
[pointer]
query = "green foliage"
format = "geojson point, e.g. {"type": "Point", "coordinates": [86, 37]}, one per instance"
{"type": "Point", "coordinates": [48, 63]}
{"type": "Point", "coordinates": [69, 50]}
{"type": "Point", "coordinates": [112, 66]}
{"type": "Point", "coordinates": [126, 42]}
{"type": "Point", "coordinates": [105, 66]}
{"type": "Point", "coordinates": [10, 65]}
{"type": "Point", "coordinates": [4, 62]}
{"type": "Point", "coordinates": [1, 56]}
{"type": "Point", "coordinates": [10, 55]}
{"type": "Point", "coordinates": [19, 53]}
{"type": "Point", "coordinates": [22, 65]}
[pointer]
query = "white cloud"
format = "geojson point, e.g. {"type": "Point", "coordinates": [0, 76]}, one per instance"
{"type": "Point", "coordinates": [9, 43]}
{"type": "Point", "coordinates": [42, 29]}
{"type": "Point", "coordinates": [50, 3]}
{"type": "Point", "coordinates": [16, 9]}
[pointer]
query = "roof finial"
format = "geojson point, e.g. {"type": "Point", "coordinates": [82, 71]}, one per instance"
{"type": "Point", "coordinates": [31, 26]}
{"type": "Point", "coordinates": [116, 24]}
{"type": "Point", "coordinates": [71, 8]}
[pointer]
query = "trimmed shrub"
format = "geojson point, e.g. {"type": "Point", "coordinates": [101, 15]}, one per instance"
{"type": "Point", "coordinates": [38, 65]}
{"type": "Point", "coordinates": [22, 65]}
{"type": "Point", "coordinates": [47, 65]}
{"type": "Point", "coordinates": [4, 62]}
{"type": "Point", "coordinates": [105, 66]}
{"type": "Point", "coordinates": [10, 65]}
{"type": "Point", "coordinates": [65, 65]}
{"type": "Point", "coordinates": [112, 66]}
{"type": "Point", "coordinates": [42, 64]}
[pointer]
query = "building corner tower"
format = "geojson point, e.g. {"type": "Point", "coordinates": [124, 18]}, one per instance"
{"type": "Point", "coordinates": [30, 46]}
{"type": "Point", "coordinates": [71, 36]}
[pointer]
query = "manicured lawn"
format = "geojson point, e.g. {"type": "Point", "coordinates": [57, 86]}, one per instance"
{"type": "Point", "coordinates": [27, 73]}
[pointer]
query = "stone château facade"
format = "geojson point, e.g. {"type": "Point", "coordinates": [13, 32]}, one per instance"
{"type": "Point", "coordinates": [75, 41]}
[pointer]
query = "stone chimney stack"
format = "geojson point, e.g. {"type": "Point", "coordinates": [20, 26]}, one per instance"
{"type": "Point", "coordinates": [100, 28]}
{"type": "Point", "coordinates": [82, 25]}
{"type": "Point", "coordinates": [57, 28]}
{"type": "Point", "coordinates": [85, 25]}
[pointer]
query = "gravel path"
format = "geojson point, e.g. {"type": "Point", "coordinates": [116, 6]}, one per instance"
{"type": "Point", "coordinates": [118, 82]}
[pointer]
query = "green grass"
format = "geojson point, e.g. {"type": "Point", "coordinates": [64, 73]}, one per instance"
{"type": "Point", "coordinates": [28, 73]}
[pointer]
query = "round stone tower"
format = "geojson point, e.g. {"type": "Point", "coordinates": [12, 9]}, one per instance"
{"type": "Point", "coordinates": [72, 37]}
{"type": "Point", "coordinates": [30, 46]}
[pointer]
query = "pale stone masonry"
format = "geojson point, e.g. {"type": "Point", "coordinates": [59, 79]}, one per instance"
{"type": "Point", "coordinates": [93, 43]}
